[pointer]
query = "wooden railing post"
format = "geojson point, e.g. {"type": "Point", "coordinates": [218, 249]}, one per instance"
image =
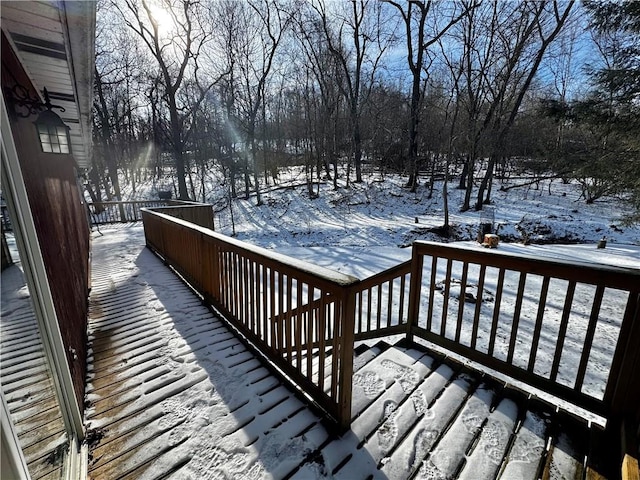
{"type": "Point", "coordinates": [415, 286]}
{"type": "Point", "coordinates": [123, 215]}
{"type": "Point", "coordinates": [623, 389]}
{"type": "Point", "coordinates": [345, 370]}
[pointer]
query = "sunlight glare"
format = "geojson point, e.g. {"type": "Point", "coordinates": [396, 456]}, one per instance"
{"type": "Point", "coordinates": [161, 16]}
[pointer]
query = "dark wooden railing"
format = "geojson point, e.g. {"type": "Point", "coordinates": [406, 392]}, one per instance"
{"type": "Point", "coordinates": [103, 213]}
{"type": "Point", "coordinates": [551, 324]}
{"type": "Point", "coordinates": [298, 315]}
{"type": "Point", "coordinates": [459, 300]}
{"type": "Point", "coordinates": [382, 303]}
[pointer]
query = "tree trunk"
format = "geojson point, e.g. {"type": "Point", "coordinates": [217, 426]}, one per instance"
{"type": "Point", "coordinates": [247, 179]}
{"type": "Point", "coordinates": [467, 194]}
{"type": "Point", "coordinates": [357, 150]}
{"type": "Point", "coordinates": [445, 196]}
{"type": "Point", "coordinates": [486, 180]}
{"type": "Point", "coordinates": [178, 156]}
{"type": "Point", "coordinates": [462, 185]}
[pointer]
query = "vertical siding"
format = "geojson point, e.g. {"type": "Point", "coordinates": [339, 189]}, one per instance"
{"type": "Point", "coordinates": [61, 223]}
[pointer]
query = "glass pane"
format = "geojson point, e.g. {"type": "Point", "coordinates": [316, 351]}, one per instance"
{"type": "Point", "coordinates": [44, 138]}
{"type": "Point", "coordinates": [56, 148]}
{"type": "Point", "coordinates": [64, 148]}
{"type": "Point", "coordinates": [61, 131]}
{"type": "Point", "coordinates": [26, 380]}
{"type": "Point", "coordinates": [62, 139]}
{"type": "Point", "coordinates": [46, 147]}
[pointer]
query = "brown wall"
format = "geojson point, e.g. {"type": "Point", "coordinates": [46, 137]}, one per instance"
{"type": "Point", "coordinates": [61, 224]}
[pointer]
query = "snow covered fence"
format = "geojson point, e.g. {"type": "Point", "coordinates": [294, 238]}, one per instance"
{"type": "Point", "coordinates": [298, 315]}
{"type": "Point", "coordinates": [102, 213]}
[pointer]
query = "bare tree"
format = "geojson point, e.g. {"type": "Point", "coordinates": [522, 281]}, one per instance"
{"type": "Point", "coordinates": [358, 36]}
{"type": "Point", "coordinates": [324, 69]}
{"type": "Point", "coordinates": [117, 123]}
{"type": "Point", "coordinates": [502, 47]}
{"type": "Point", "coordinates": [258, 29]}
{"type": "Point", "coordinates": [176, 52]}
{"type": "Point", "coordinates": [418, 39]}
{"type": "Point", "coordinates": [546, 21]}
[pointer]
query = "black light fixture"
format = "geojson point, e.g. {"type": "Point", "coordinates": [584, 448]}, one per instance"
{"type": "Point", "coordinates": [53, 134]}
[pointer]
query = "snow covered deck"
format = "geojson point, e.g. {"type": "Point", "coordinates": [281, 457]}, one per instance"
{"type": "Point", "coordinates": [173, 393]}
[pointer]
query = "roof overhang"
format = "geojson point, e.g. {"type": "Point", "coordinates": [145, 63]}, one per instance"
{"type": "Point", "coordinates": [55, 42]}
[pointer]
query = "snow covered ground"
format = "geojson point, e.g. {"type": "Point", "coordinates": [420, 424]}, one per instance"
{"type": "Point", "coordinates": [383, 213]}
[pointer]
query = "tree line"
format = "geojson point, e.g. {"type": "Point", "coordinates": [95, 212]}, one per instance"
{"type": "Point", "coordinates": [465, 91]}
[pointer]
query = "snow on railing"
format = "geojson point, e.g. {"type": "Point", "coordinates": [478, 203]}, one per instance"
{"type": "Point", "coordinates": [298, 315]}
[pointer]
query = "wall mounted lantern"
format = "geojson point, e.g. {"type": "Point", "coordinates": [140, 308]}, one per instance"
{"type": "Point", "coordinates": [53, 134]}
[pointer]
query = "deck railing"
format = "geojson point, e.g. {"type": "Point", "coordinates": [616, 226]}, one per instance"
{"type": "Point", "coordinates": [298, 315]}
{"type": "Point", "coordinates": [382, 303]}
{"type": "Point", "coordinates": [549, 323]}
{"type": "Point", "coordinates": [567, 328]}
{"type": "Point", "coordinates": [103, 213]}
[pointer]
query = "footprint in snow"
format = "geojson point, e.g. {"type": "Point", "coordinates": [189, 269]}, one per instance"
{"type": "Point", "coordinates": [277, 448]}
{"type": "Point", "coordinates": [388, 431]}
{"type": "Point", "coordinates": [429, 471]}
{"type": "Point", "coordinates": [370, 382]}
{"type": "Point", "coordinates": [496, 436]}
{"type": "Point", "coordinates": [420, 404]}
{"type": "Point", "coordinates": [471, 421]}
{"type": "Point", "coordinates": [422, 444]}
{"type": "Point", "coordinates": [406, 376]}
{"type": "Point", "coordinates": [212, 461]}
{"type": "Point", "coordinates": [174, 412]}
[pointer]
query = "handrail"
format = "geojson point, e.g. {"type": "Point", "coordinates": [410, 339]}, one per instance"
{"type": "Point", "coordinates": [104, 213]}
{"type": "Point", "coordinates": [129, 211]}
{"type": "Point", "coordinates": [379, 310]}
{"type": "Point", "coordinates": [543, 306]}
{"type": "Point", "coordinates": [293, 312]}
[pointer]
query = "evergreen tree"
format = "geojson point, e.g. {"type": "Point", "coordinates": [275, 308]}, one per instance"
{"type": "Point", "coordinates": [603, 149]}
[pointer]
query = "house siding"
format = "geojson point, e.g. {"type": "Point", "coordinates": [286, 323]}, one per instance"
{"type": "Point", "coordinates": [61, 223]}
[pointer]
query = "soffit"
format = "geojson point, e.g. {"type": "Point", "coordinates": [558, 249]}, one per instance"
{"type": "Point", "coordinates": [55, 42]}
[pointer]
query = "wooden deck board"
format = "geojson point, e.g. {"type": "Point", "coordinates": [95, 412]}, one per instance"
{"type": "Point", "coordinates": [528, 450]}
{"type": "Point", "coordinates": [448, 453]}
